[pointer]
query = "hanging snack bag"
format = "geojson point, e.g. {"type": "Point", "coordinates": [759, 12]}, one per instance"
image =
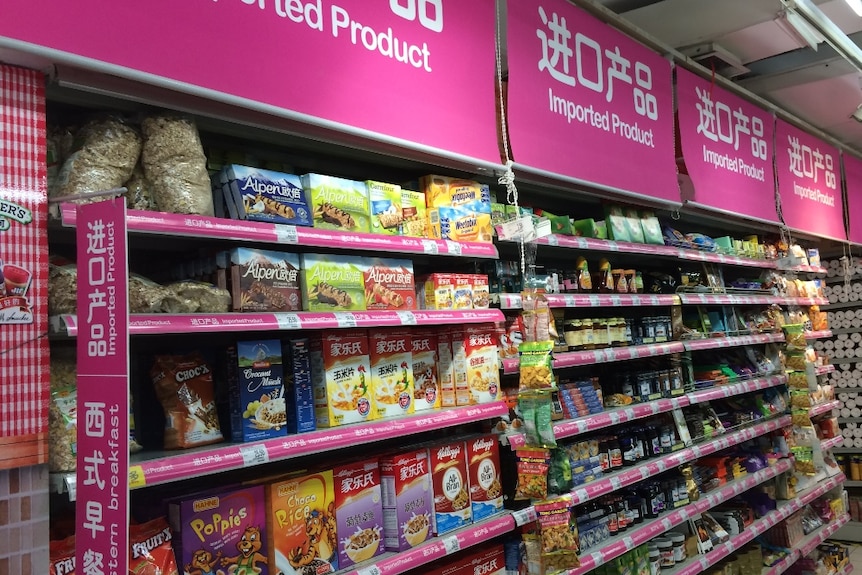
{"type": "Point", "coordinates": [536, 365]}
{"type": "Point", "coordinates": [150, 551]}
{"type": "Point", "coordinates": [184, 387]}
{"type": "Point", "coordinates": [536, 409]}
{"type": "Point", "coordinates": [532, 465]}
{"type": "Point", "coordinates": [794, 335]}
{"type": "Point", "coordinates": [558, 533]}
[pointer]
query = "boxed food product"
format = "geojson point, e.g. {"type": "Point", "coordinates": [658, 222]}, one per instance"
{"type": "Point", "coordinates": [358, 512]}
{"type": "Point", "coordinates": [463, 223]}
{"type": "Point", "coordinates": [483, 560]}
{"type": "Point", "coordinates": [459, 366]}
{"type": "Point", "coordinates": [481, 292]}
{"type": "Point", "coordinates": [389, 284]}
{"type": "Point", "coordinates": [256, 391]}
{"type": "Point", "coordinates": [448, 463]}
{"type": "Point", "coordinates": [301, 525]}
{"type": "Point", "coordinates": [486, 489]}
{"type": "Point", "coordinates": [338, 204]}
{"type": "Point", "coordinates": [299, 390]}
{"type": "Point", "coordinates": [267, 196]}
{"type": "Point", "coordinates": [426, 383]}
{"type": "Point", "coordinates": [332, 283]}
{"type": "Point", "coordinates": [413, 214]}
{"type": "Point", "coordinates": [264, 281]}
{"type": "Point", "coordinates": [443, 191]}
{"type": "Point", "coordinates": [385, 202]}
{"type": "Point", "coordinates": [446, 369]}
{"type": "Point", "coordinates": [407, 499]}
{"type": "Point", "coordinates": [340, 374]}
{"type": "Point", "coordinates": [392, 372]}
{"type": "Point", "coordinates": [463, 295]}
{"type": "Point", "coordinates": [437, 291]}
{"type": "Point", "coordinates": [482, 363]}
{"type": "Point", "coordinates": [225, 529]}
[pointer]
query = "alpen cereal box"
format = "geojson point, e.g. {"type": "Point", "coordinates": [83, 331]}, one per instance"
{"type": "Point", "coordinates": [332, 283]}
{"type": "Point", "coordinates": [337, 203]}
{"type": "Point", "coordinates": [408, 502]}
{"type": "Point", "coordinates": [221, 531]}
{"type": "Point", "coordinates": [267, 196]}
{"type": "Point", "coordinates": [483, 467]}
{"type": "Point", "coordinates": [482, 363]}
{"type": "Point", "coordinates": [256, 389]}
{"type": "Point", "coordinates": [264, 281]}
{"type": "Point", "coordinates": [426, 384]}
{"type": "Point", "coordinates": [389, 284]}
{"type": "Point", "coordinates": [413, 214]}
{"type": "Point", "coordinates": [392, 372]}
{"type": "Point", "coordinates": [385, 202]}
{"type": "Point", "coordinates": [358, 512]}
{"type": "Point", "coordinates": [303, 538]}
{"type": "Point", "coordinates": [341, 377]}
{"type": "Point", "coordinates": [450, 485]}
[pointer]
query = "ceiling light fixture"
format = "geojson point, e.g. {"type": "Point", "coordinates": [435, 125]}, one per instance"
{"type": "Point", "coordinates": [857, 115]}
{"type": "Point", "coordinates": [803, 30]}
{"type": "Point", "coordinates": [817, 20]}
{"type": "Point", "coordinates": [856, 6]}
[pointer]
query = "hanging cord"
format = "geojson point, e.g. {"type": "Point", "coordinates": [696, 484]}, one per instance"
{"type": "Point", "coordinates": [846, 265]}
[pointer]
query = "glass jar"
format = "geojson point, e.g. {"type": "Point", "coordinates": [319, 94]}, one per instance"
{"type": "Point", "coordinates": [573, 331]}
{"type": "Point", "coordinates": [588, 338]}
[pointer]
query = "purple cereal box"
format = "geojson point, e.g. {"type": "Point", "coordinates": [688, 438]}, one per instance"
{"type": "Point", "coordinates": [358, 512]}
{"type": "Point", "coordinates": [405, 480]}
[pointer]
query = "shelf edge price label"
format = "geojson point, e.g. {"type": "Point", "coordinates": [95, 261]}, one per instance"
{"type": "Point", "coordinates": [345, 319]}
{"type": "Point", "coordinates": [288, 321]}
{"type": "Point", "coordinates": [286, 234]}
{"type": "Point", "coordinates": [430, 247]}
{"type": "Point", "coordinates": [370, 570]}
{"type": "Point", "coordinates": [254, 455]}
{"type": "Point", "coordinates": [524, 516]}
{"type": "Point", "coordinates": [451, 544]}
{"type": "Point", "coordinates": [407, 317]}
{"type": "Point", "coordinates": [453, 248]}
{"type": "Point", "coordinates": [137, 479]}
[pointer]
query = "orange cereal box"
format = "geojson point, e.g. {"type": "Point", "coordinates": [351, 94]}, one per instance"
{"type": "Point", "coordinates": [392, 372]}
{"type": "Point", "coordinates": [389, 284]}
{"type": "Point", "coordinates": [426, 383]}
{"type": "Point", "coordinates": [482, 363]}
{"type": "Point", "coordinates": [341, 378]}
{"type": "Point", "coordinates": [483, 468]}
{"type": "Point", "coordinates": [450, 486]}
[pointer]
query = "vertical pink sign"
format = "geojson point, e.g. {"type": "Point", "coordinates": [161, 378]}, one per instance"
{"type": "Point", "coordinates": [588, 102]}
{"type": "Point", "coordinates": [809, 182]}
{"type": "Point", "coordinates": [727, 146]}
{"type": "Point", "coordinates": [102, 507]}
{"type": "Point", "coordinates": [853, 180]}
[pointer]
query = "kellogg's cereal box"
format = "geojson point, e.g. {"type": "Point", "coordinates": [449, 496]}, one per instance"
{"type": "Point", "coordinates": [482, 363]}
{"type": "Point", "coordinates": [437, 291]}
{"type": "Point", "coordinates": [264, 281]}
{"type": "Point", "coordinates": [221, 531]}
{"type": "Point", "coordinates": [483, 468]}
{"type": "Point", "coordinates": [338, 204]}
{"type": "Point", "coordinates": [446, 368]}
{"type": "Point", "coordinates": [426, 383]}
{"type": "Point", "coordinates": [463, 291]}
{"type": "Point", "coordinates": [256, 390]}
{"type": "Point", "coordinates": [332, 283]}
{"type": "Point", "coordinates": [481, 291]}
{"type": "Point", "coordinates": [341, 377]}
{"type": "Point", "coordinates": [483, 560]}
{"type": "Point", "coordinates": [450, 485]}
{"type": "Point", "coordinates": [358, 512]}
{"type": "Point", "coordinates": [389, 284]}
{"type": "Point", "coordinates": [413, 213]}
{"type": "Point", "coordinates": [459, 365]}
{"type": "Point", "coordinates": [301, 524]}
{"type": "Point", "coordinates": [385, 201]}
{"type": "Point", "coordinates": [407, 499]}
{"type": "Point", "coordinates": [392, 372]}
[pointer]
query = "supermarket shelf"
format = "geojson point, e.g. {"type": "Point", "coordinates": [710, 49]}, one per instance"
{"type": "Point", "coordinates": [826, 407]}
{"type": "Point", "coordinates": [804, 269]}
{"type": "Point", "coordinates": [853, 483]}
{"type": "Point", "coordinates": [824, 369]}
{"type": "Point", "coordinates": [842, 330]}
{"type": "Point", "coordinates": [840, 305]}
{"type": "Point", "coordinates": [594, 356]}
{"type": "Point", "coordinates": [607, 418]}
{"type": "Point", "coordinates": [822, 334]}
{"type": "Point", "coordinates": [807, 545]}
{"type": "Point", "coordinates": [832, 442]}
{"type": "Point", "coordinates": [742, 299]}
{"type": "Point", "coordinates": [191, 226]}
{"type": "Point", "coordinates": [847, 450]}
{"type": "Point", "coordinates": [734, 341]}
{"type": "Point", "coordinates": [159, 323]}
{"type": "Point", "coordinates": [155, 468]}
{"type": "Point", "coordinates": [513, 301]}
{"type": "Point", "coordinates": [852, 531]}
{"type": "Point", "coordinates": [843, 359]}
{"type": "Point", "coordinates": [620, 544]}
{"type": "Point", "coordinates": [850, 420]}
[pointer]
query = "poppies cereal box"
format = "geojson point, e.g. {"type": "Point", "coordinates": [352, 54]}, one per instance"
{"type": "Point", "coordinates": [358, 512]}
{"type": "Point", "coordinates": [389, 284]}
{"type": "Point", "coordinates": [337, 204]}
{"type": "Point", "coordinates": [408, 502]}
{"type": "Point", "coordinates": [426, 383]}
{"type": "Point", "coordinates": [301, 523]}
{"type": "Point", "coordinates": [483, 468]}
{"type": "Point", "coordinates": [332, 284]}
{"type": "Point", "coordinates": [385, 202]}
{"type": "Point", "coordinates": [341, 378]}
{"type": "Point", "coordinates": [482, 363]}
{"type": "Point", "coordinates": [392, 372]}
{"type": "Point", "coordinates": [450, 486]}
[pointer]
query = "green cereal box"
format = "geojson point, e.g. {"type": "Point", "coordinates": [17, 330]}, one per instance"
{"type": "Point", "coordinates": [413, 212]}
{"type": "Point", "coordinates": [332, 283]}
{"type": "Point", "coordinates": [385, 201]}
{"type": "Point", "coordinates": [338, 204]}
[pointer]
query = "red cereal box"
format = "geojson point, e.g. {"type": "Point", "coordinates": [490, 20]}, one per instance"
{"type": "Point", "coordinates": [358, 512]}
{"type": "Point", "coordinates": [484, 560]}
{"type": "Point", "coordinates": [483, 468]}
{"type": "Point", "coordinates": [389, 284]}
{"type": "Point", "coordinates": [482, 364]}
{"type": "Point", "coordinates": [450, 486]}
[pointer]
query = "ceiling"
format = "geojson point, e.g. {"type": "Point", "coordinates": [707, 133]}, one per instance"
{"type": "Point", "coordinates": [817, 86]}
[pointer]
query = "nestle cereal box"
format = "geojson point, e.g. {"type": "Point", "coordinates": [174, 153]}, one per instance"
{"type": "Point", "coordinates": [341, 377]}
{"type": "Point", "coordinates": [446, 369]}
{"type": "Point", "coordinates": [358, 512]}
{"type": "Point", "coordinates": [459, 365]}
{"type": "Point", "coordinates": [303, 537]}
{"type": "Point", "coordinates": [256, 389]}
{"type": "Point", "coordinates": [392, 372]}
{"type": "Point", "coordinates": [268, 196]}
{"type": "Point", "coordinates": [437, 291]}
{"type": "Point", "coordinates": [221, 531]}
{"type": "Point", "coordinates": [413, 214]}
{"type": "Point", "coordinates": [332, 283]}
{"type": "Point", "coordinates": [389, 284]}
{"type": "Point", "coordinates": [385, 202]}
{"type": "Point", "coordinates": [408, 502]}
{"type": "Point", "coordinates": [299, 390]}
{"type": "Point", "coordinates": [451, 488]}
{"type": "Point", "coordinates": [443, 191]}
{"type": "Point", "coordinates": [264, 281]}
{"type": "Point", "coordinates": [337, 203]}
{"type": "Point", "coordinates": [482, 363]}
{"type": "Point", "coordinates": [426, 383]}
{"type": "Point", "coordinates": [483, 468]}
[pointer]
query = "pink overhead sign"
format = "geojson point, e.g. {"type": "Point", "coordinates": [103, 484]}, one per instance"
{"type": "Point", "coordinates": [727, 147]}
{"type": "Point", "coordinates": [588, 102]}
{"type": "Point", "coordinates": [417, 70]}
{"type": "Point", "coordinates": [853, 179]}
{"type": "Point", "coordinates": [809, 182]}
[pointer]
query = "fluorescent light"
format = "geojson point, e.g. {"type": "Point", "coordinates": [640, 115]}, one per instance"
{"type": "Point", "coordinates": [808, 34]}
{"type": "Point", "coordinates": [857, 115]}
{"type": "Point", "coordinates": [856, 6]}
{"type": "Point", "coordinates": [817, 20]}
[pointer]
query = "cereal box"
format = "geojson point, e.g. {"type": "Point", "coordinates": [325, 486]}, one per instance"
{"type": "Point", "coordinates": [385, 201]}
{"type": "Point", "coordinates": [299, 391]}
{"type": "Point", "coordinates": [481, 292]}
{"type": "Point", "coordinates": [443, 191]}
{"type": "Point", "coordinates": [463, 294]}
{"type": "Point", "coordinates": [301, 523]}
{"type": "Point", "coordinates": [267, 196]}
{"type": "Point", "coordinates": [413, 213]}
{"type": "Point", "coordinates": [389, 284]}
{"type": "Point", "coordinates": [264, 281]}
{"type": "Point", "coordinates": [437, 291]}
{"type": "Point", "coordinates": [445, 369]}
{"type": "Point", "coordinates": [464, 223]}
{"type": "Point", "coordinates": [340, 375]}
{"type": "Point", "coordinates": [482, 363]}
{"type": "Point", "coordinates": [483, 560]}
{"type": "Point", "coordinates": [332, 283]}
{"type": "Point", "coordinates": [483, 468]}
{"type": "Point", "coordinates": [338, 204]}
{"type": "Point", "coordinates": [450, 486]}
{"type": "Point", "coordinates": [426, 384]}
{"type": "Point", "coordinates": [222, 530]}
{"type": "Point", "coordinates": [256, 389]}
{"type": "Point", "coordinates": [392, 372]}
{"type": "Point", "coordinates": [358, 512]}
{"type": "Point", "coordinates": [408, 502]}
{"type": "Point", "coordinates": [459, 366]}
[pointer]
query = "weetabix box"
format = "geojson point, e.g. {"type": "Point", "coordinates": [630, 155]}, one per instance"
{"type": "Point", "coordinates": [256, 389]}
{"type": "Point", "coordinates": [450, 485]}
{"type": "Point", "coordinates": [483, 468]}
{"type": "Point", "coordinates": [408, 501]}
{"type": "Point", "coordinates": [332, 283]}
{"type": "Point", "coordinates": [426, 381]}
{"type": "Point", "coordinates": [358, 512]}
{"type": "Point", "coordinates": [389, 284]}
{"type": "Point", "coordinates": [267, 196]}
{"type": "Point", "coordinates": [392, 372]}
{"type": "Point", "coordinates": [385, 202]}
{"type": "Point", "coordinates": [337, 203]}
{"type": "Point", "coordinates": [299, 390]}
{"type": "Point", "coordinates": [264, 281]}
{"type": "Point", "coordinates": [341, 377]}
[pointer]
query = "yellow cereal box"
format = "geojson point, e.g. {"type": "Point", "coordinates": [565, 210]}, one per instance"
{"type": "Point", "coordinates": [459, 366]}
{"type": "Point", "coordinates": [442, 191]}
{"type": "Point", "coordinates": [341, 378]}
{"type": "Point", "coordinates": [392, 372]}
{"type": "Point", "coordinates": [413, 214]}
{"type": "Point", "coordinates": [465, 223]}
{"type": "Point", "coordinates": [482, 362]}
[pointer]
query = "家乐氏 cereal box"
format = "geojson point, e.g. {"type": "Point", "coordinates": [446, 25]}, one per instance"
{"type": "Point", "coordinates": [358, 512]}
{"type": "Point", "coordinates": [482, 363]}
{"type": "Point", "coordinates": [450, 485]}
{"type": "Point", "coordinates": [337, 203]}
{"type": "Point", "coordinates": [426, 383]}
{"type": "Point", "coordinates": [446, 368]}
{"type": "Point", "coordinates": [408, 502]}
{"type": "Point", "coordinates": [256, 389]}
{"type": "Point", "coordinates": [389, 284]}
{"type": "Point", "coordinates": [385, 202]}
{"type": "Point", "coordinates": [392, 372]}
{"type": "Point", "coordinates": [483, 468]}
{"type": "Point", "coordinates": [341, 376]}
{"type": "Point", "coordinates": [332, 283]}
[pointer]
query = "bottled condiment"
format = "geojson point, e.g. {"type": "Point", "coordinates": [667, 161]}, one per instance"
{"type": "Point", "coordinates": [639, 282]}
{"type": "Point", "coordinates": [627, 445]}
{"type": "Point", "coordinates": [654, 562]}
{"type": "Point", "coordinates": [620, 283]}
{"type": "Point", "coordinates": [615, 453]}
{"type": "Point", "coordinates": [588, 336]}
{"type": "Point", "coordinates": [649, 329]}
{"type": "Point", "coordinates": [666, 438]}
{"type": "Point", "coordinates": [665, 547]}
{"type": "Point", "coordinates": [665, 383]}
{"type": "Point", "coordinates": [654, 441]}
{"type": "Point", "coordinates": [600, 332]}
{"type": "Point", "coordinates": [678, 541]}
{"type": "Point", "coordinates": [604, 454]}
{"type": "Point", "coordinates": [603, 281]}
{"type": "Point", "coordinates": [622, 513]}
{"type": "Point", "coordinates": [582, 269]}
{"type": "Point", "coordinates": [856, 468]}
{"type": "Point", "coordinates": [572, 330]}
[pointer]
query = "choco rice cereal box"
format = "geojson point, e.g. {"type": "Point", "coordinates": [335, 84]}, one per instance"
{"type": "Point", "coordinates": [445, 368]}
{"type": "Point", "coordinates": [408, 502]}
{"type": "Point", "coordinates": [413, 214]}
{"type": "Point", "coordinates": [389, 284]}
{"type": "Point", "coordinates": [301, 522]}
{"type": "Point", "coordinates": [221, 530]}
{"type": "Point", "coordinates": [450, 485]}
{"type": "Point", "coordinates": [256, 390]}
{"type": "Point", "coordinates": [385, 202]}
{"type": "Point", "coordinates": [358, 512]}
{"type": "Point", "coordinates": [482, 363]}
{"type": "Point", "coordinates": [483, 469]}
{"type": "Point", "coordinates": [265, 281]}
{"type": "Point", "coordinates": [268, 196]}
{"type": "Point", "coordinates": [392, 372]}
{"type": "Point", "coordinates": [299, 391]}
{"type": "Point", "coordinates": [426, 383]}
{"type": "Point", "coordinates": [341, 377]}
{"type": "Point", "coordinates": [332, 283]}
{"type": "Point", "coordinates": [337, 203]}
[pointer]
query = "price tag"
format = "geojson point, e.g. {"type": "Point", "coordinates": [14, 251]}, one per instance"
{"type": "Point", "coordinates": [595, 301]}
{"type": "Point", "coordinates": [666, 523]}
{"type": "Point", "coordinates": [254, 455]}
{"type": "Point", "coordinates": [519, 229]}
{"type": "Point", "coordinates": [345, 319]}
{"type": "Point", "coordinates": [286, 234]}
{"type": "Point", "coordinates": [407, 317]}
{"type": "Point", "coordinates": [137, 479]}
{"type": "Point", "coordinates": [288, 321]}
{"type": "Point", "coordinates": [581, 495]}
{"type": "Point", "coordinates": [615, 483]}
{"type": "Point", "coordinates": [598, 559]}
{"type": "Point", "coordinates": [645, 472]}
{"type": "Point", "coordinates": [370, 570]}
{"type": "Point", "coordinates": [570, 301]}
{"type": "Point", "coordinates": [629, 543]}
{"type": "Point", "coordinates": [524, 516]}
{"type": "Point", "coordinates": [430, 247]}
{"type": "Point", "coordinates": [704, 562]}
{"type": "Point", "coordinates": [553, 240]}
{"type": "Point", "coordinates": [610, 354]}
{"type": "Point", "coordinates": [616, 301]}
{"type": "Point", "coordinates": [451, 544]}
{"type": "Point", "coordinates": [614, 417]}
{"type": "Point", "coordinates": [71, 482]}
{"type": "Point", "coordinates": [453, 248]}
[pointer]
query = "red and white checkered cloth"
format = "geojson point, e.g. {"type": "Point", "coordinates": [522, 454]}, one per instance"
{"type": "Point", "coordinates": [24, 366]}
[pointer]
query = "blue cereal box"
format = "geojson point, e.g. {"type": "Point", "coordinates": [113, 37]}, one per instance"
{"type": "Point", "coordinates": [257, 402]}
{"type": "Point", "coordinates": [267, 196]}
{"type": "Point", "coordinates": [299, 389]}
